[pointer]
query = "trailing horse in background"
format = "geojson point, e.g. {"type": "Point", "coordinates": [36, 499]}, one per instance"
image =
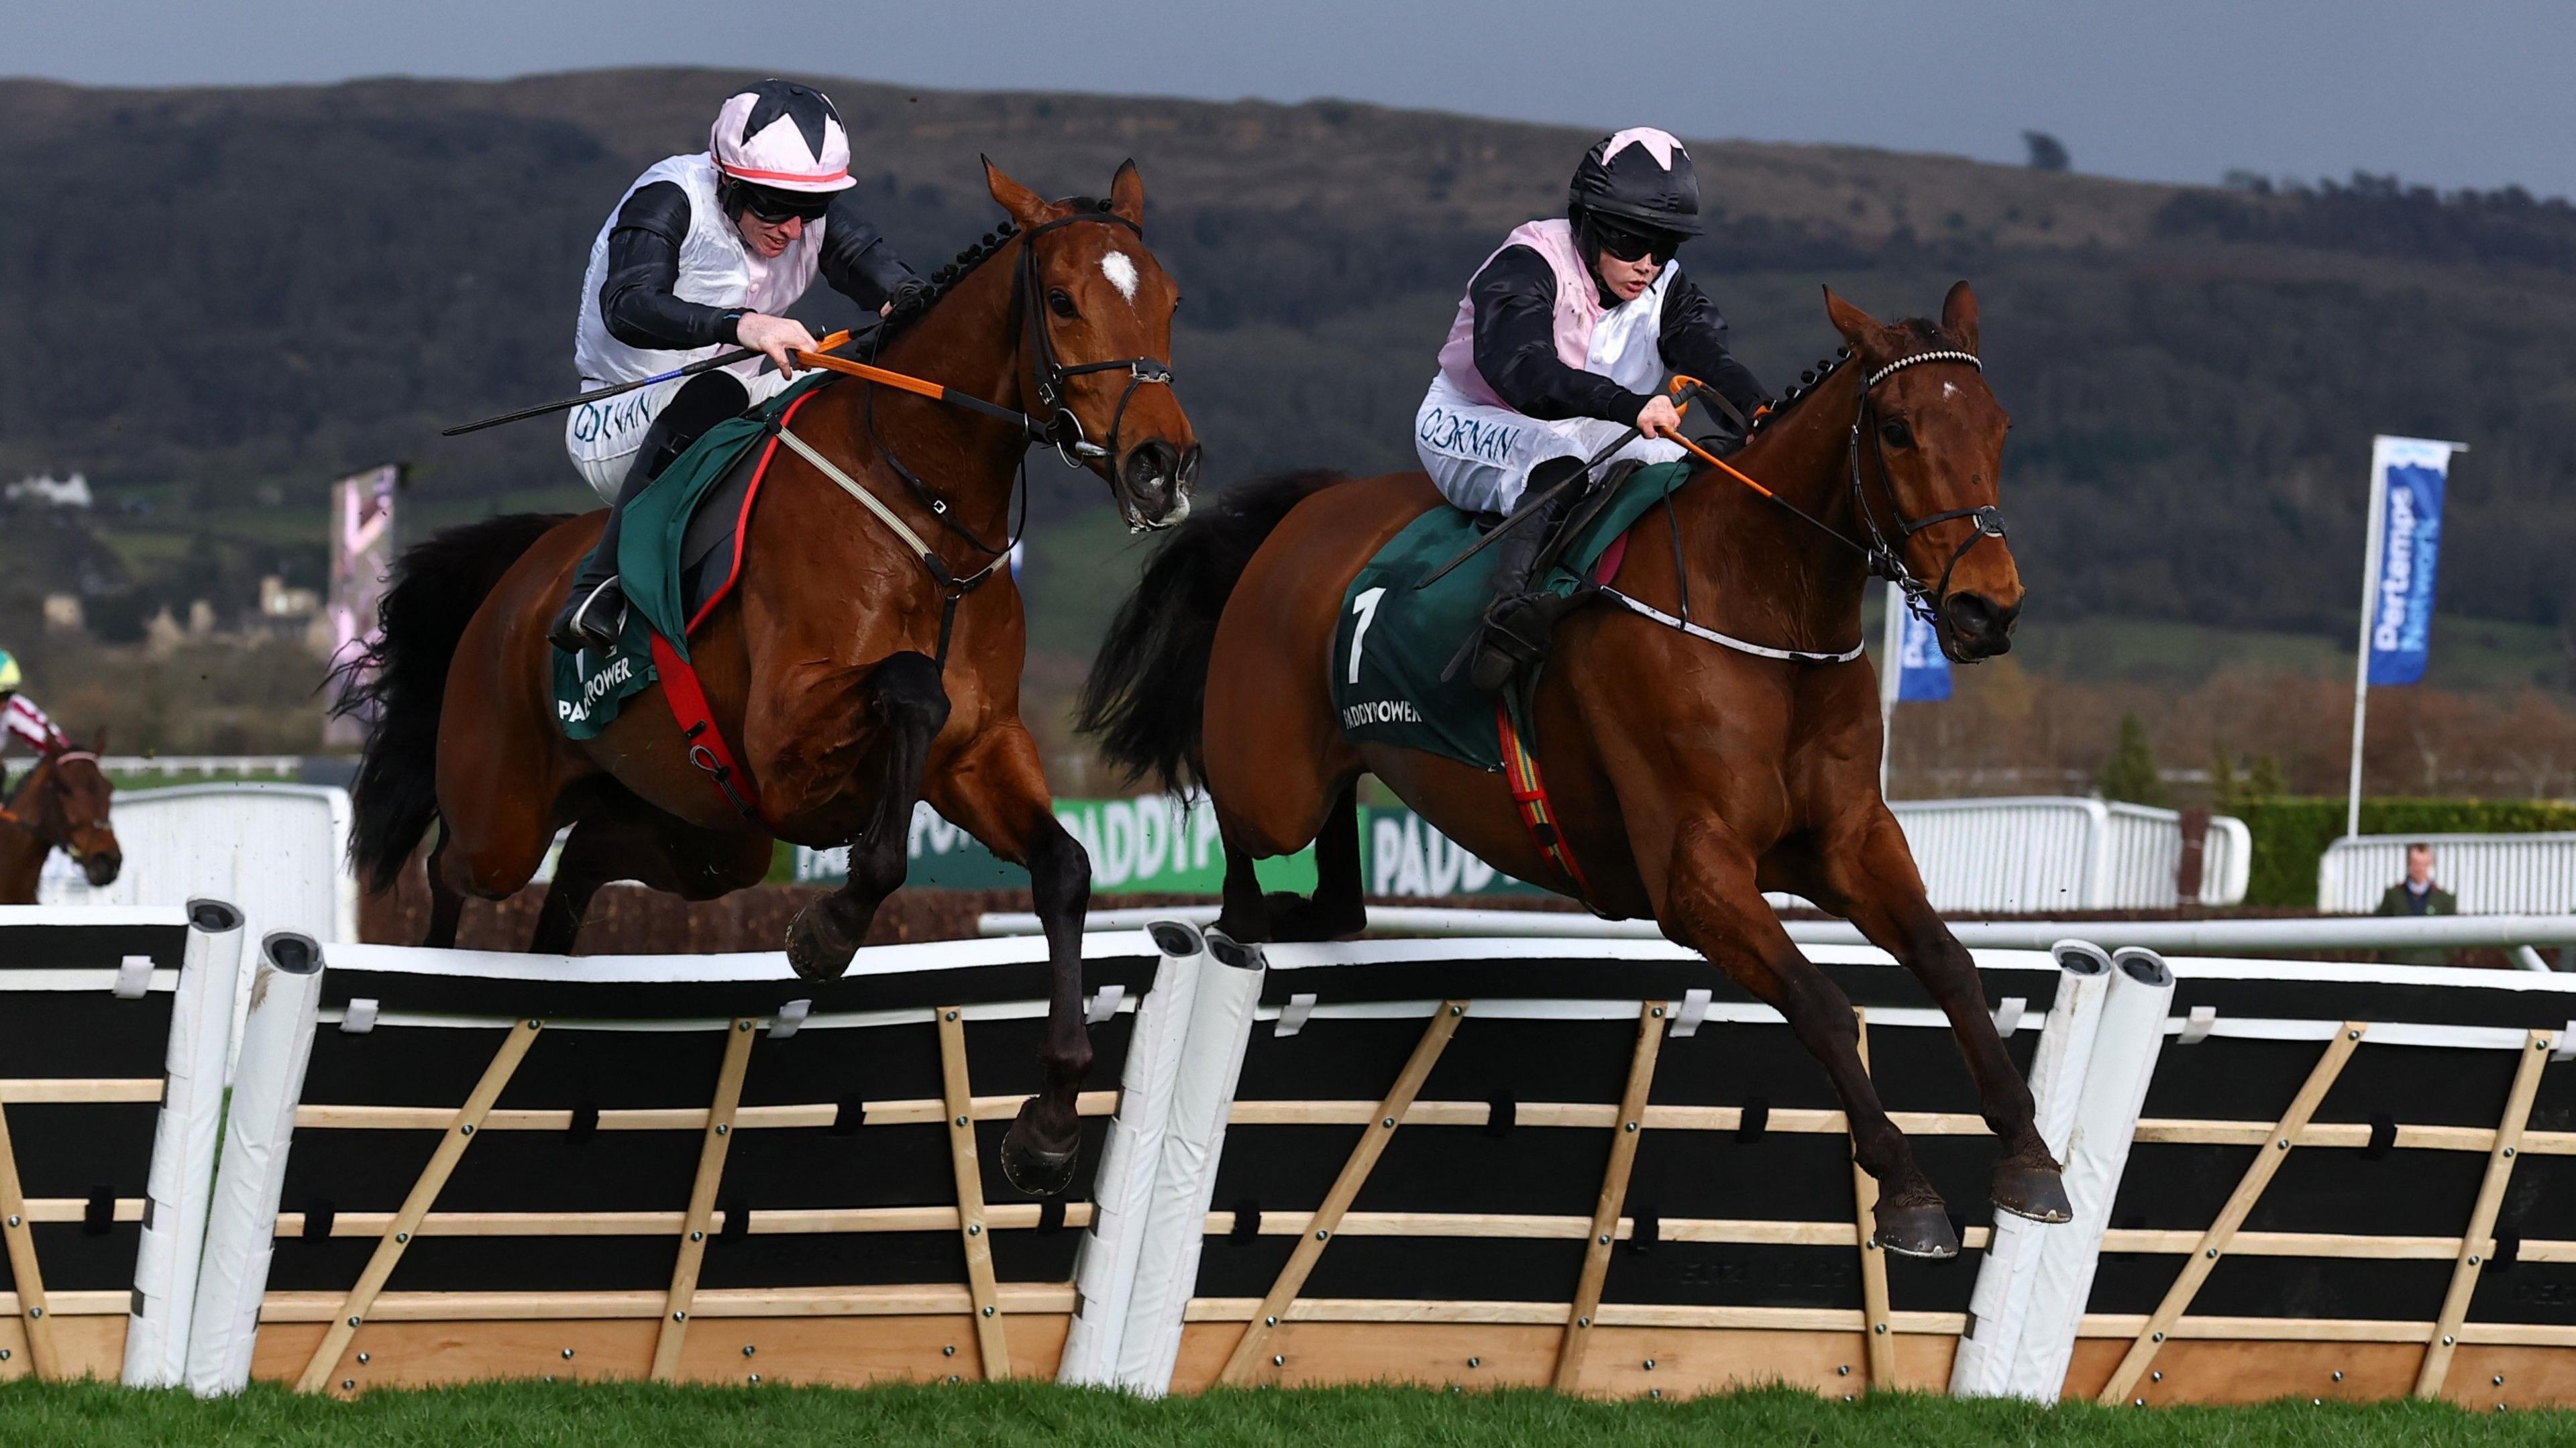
{"type": "Point", "coordinates": [854, 673]}
{"type": "Point", "coordinates": [1684, 775]}
{"type": "Point", "coordinates": [61, 804]}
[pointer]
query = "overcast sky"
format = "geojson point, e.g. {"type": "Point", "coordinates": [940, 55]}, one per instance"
{"type": "Point", "coordinates": [2471, 93]}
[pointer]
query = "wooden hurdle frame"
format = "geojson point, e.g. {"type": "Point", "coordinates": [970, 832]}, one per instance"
{"type": "Point", "coordinates": [1567, 1345]}
{"type": "Point", "coordinates": [1809, 1316]}
{"type": "Point", "coordinates": [595, 1328]}
{"type": "Point", "coordinates": [373, 1332]}
{"type": "Point", "coordinates": [127, 1332]}
{"type": "Point", "coordinates": [2242, 1359]}
{"type": "Point", "coordinates": [1588, 1345]}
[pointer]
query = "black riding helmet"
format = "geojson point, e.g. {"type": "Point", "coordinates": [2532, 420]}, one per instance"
{"type": "Point", "coordinates": [1635, 186]}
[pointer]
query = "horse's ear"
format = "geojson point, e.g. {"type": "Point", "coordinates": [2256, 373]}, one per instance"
{"type": "Point", "coordinates": [98, 740]}
{"type": "Point", "coordinates": [1959, 315]}
{"type": "Point", "coordinates": [1027, 208]}
{"type": "Point", "coordinates": [1127, 194]}
{"type": "Point", "coordinates": [1860, 329]}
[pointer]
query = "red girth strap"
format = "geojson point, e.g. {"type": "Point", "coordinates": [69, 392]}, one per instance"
{"type": "Point", "coordinates": [1529, 796]}
{"type": "Point", "coordinates": [706, 743]}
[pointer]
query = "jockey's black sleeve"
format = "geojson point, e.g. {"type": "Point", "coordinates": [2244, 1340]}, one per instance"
{"type": "Point", "coordinates": [1693, 339]}
{"type": "Point", "coordinates": [855, 259]}
{"type": "Point", "coordinates": [1515, 339]}
{"type": "Point", "coordinates": [635, 297]}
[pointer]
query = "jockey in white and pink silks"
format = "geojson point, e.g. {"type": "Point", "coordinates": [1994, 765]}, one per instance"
{"type": "Point", "coordinates": [1562, 343]}
{"type": "Point", "coordinates": [704, 254]}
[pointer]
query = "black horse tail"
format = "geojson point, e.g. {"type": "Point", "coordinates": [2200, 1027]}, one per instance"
{"type": "Point", "coordinates": [397, 685]}
{"type": "Point", "coordinates": [1148, 688]}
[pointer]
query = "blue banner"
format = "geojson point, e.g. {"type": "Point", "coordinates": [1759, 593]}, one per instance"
{"type": "Point", "coordinates": [2411, 473]}
{"type": "Point", "coordinates": [1922, 670]}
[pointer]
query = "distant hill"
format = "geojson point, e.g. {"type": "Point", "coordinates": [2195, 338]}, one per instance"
{"type": "Point", "coordinates": [213, 297]}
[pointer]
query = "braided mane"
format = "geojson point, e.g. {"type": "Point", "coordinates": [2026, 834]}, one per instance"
{"type": "Point", "coordinates": [1925, 333]}
{"type": "Point", "coordinates": [983, 249]}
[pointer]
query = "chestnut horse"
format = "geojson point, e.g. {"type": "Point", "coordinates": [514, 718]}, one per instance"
{"type": "Point", "coordinates": [851, 679]}
{"type": "Point", "coordinates": [60, 805]}
{"type": "Point", "coordinates": [1687, 776]}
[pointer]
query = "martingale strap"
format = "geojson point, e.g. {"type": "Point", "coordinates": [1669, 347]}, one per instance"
{"type": "Point", "coordinates": [1529, 797]}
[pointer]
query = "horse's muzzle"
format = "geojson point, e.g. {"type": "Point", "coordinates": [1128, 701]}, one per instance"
{"type": "Point", "coordinates": [1977, 627]}
{"type": "Point", "coordinates": [1154, 481]}
{"type": "Point", "coordinates": [100, 867]}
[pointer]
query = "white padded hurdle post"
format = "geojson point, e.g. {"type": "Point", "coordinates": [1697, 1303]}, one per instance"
{"type": "Point", "coordinates": [183, 1149]}
{"type": "Point", "coordinates": [2009, 1275]}
{"type": "Point", "coordinates": [268, 1082]}
{"type": "Point", "coordinates": [2125, 1049]}
{"type": "Point", "coordinates": [1104, 1271]}
{"type": "Point", "coordinates": [1175, 1225]}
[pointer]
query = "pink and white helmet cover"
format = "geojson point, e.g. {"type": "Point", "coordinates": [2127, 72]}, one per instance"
{"type": "Point", "coordinates": [782, 135]}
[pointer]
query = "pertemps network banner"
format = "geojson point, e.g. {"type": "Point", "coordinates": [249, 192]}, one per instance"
{"type": "Point", "coordinates": [1922, 670]}
{"type": "Point", "coordinates": [2411, 472]}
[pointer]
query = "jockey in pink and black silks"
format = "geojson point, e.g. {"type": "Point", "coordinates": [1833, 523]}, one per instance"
{"type": "Point", "coordinates": [1562, 343]}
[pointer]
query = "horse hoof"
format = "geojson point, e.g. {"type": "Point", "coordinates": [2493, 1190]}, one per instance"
{"type": "Point", "coordinates": [816, 947]}
{"type": "Point", "coordinates": [1922, 1231]}
{"type": "Point", "coordinates": [1296, 917]}
{"type": "Point", "coordinates": [2033, 1192]}
{"type": "Point", "coordinates": [1034, 1170]}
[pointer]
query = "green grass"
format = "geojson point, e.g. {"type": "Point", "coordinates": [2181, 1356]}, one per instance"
{"type": "Point", "coordinates": [1026, 1413]}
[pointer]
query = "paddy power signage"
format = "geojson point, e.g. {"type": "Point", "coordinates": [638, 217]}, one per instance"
{"type": "Point", "coordinates": [1154, 844]}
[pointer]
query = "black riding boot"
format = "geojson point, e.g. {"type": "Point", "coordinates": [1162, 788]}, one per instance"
{"type": "Point", "coordinates": [595, 610]}
{"type": "Point", "coordinates": [1518, 622]}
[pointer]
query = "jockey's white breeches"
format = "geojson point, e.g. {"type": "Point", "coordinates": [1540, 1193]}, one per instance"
{"type": "Point", "coordinates": [602, 436]}
{"type": "Point", "coordinates": [1480, 456]}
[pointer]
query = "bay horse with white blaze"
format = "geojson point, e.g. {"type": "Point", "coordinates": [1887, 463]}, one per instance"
{"type": "Point", "coordinates": [62, 804]}
{"type": "Point", "coordinates": [1686, 775]}
{"type": "Point", "coordinates": [853, 673]}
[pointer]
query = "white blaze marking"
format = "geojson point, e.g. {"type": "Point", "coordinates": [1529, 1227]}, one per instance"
{"type": "Point", "coordinates": [1121, 273]}
{"type": "Point", "coordinates": [1949, 389]}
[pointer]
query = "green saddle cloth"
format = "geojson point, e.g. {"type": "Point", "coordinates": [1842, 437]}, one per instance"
{"type": "Point", "coordinates": [593, 685]}
{"type": "Point", "coordinates": [1395, 635]}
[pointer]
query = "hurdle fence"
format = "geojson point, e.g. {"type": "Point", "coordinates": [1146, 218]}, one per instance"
{"type": "Point", "coordinates": [667, 1168]}
{"type": "Point", "coordinates": [114, 1025]}
{"type": "Point", "coordinates": [1591, 1164]}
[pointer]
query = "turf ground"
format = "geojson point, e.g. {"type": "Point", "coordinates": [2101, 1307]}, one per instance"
{"type": "Point", "coordinates": [1028, 1413]}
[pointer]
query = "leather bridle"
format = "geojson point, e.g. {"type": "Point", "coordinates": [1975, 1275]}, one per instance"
{"type": "Point", "coordinates": [1059, 429]}
{"type": "Point", "coordinates": [1886, 558]}
{"type": "Point", "coordinates": [1062, 429]}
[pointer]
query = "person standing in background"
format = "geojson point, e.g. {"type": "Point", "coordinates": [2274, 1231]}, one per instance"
{"type": "Point", "coordinates": [2418, 895]}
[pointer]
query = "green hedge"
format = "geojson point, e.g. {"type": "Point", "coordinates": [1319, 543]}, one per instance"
{"type": "Point", "coordinates": [2291, 835]}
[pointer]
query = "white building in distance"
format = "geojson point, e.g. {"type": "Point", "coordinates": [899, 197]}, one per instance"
{"type": "Point", "coordinates": [71, 492]}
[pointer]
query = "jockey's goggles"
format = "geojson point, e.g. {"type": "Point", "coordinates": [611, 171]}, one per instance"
{"type": "Point", "coordinates": [776, 207]}
{"type": "Point", "coordinates": [1629, 245]}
